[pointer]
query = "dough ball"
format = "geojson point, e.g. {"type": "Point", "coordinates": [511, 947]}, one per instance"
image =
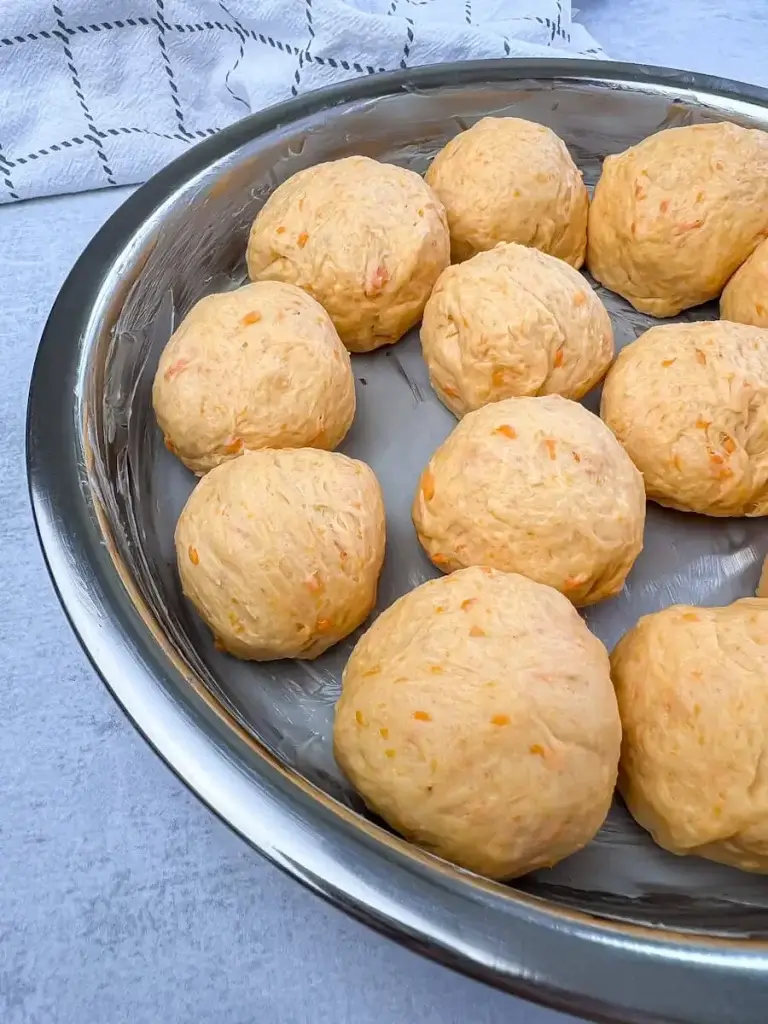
{"type": "Point", "coordinates": [477, 717]}
{"type": "Point", "coordinates": [509, 180]}
{"type": "Point", "coordinates": [280, 551]}
{"type": "Point", "coordinates": [673, 217]}
{"type": "Point", "coordinates": [745, 297]}
{"type": "Point", "coordinates": [367, 240]}
{"type": "Point", "coordinates": [260, 367]}
{"type": "Point", "coordinates": [537, 486]}
{"type": "Point", "coordinates": [691, 686]}
{"type": "Point", "coordinates": [512, 322]}
{"type": "Point", "coordinates": [689, 403]}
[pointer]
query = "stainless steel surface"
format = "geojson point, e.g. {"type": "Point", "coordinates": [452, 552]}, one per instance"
{"type": "Point", "coordinates": [622, 931]}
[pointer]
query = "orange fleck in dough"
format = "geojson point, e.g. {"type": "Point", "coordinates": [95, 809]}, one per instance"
{"type": "Point", "coordinates": [422, 716]}
{"type": "Point", "coordinates": [384, 732]}
{"type": "Point", "coordinates": [551, 446]}
{"type": "Point", "coordinates": [360, 718]}
{"type": "Point", "coordinates": [194, 557]}
{"type": "Point", "coordinates": [377, 281]}
{"type": "Point", "coordinates": [250, 318]}
{"type": "Point", "coordinates": [701, 357]}
{"type": "Point", "coordinates": [427, 485]}
{"type": "Point", "coordinates": [667, 362]}
{"type": "Point", "coordinates": [234, 446]}
{"type": "Point", "coordinates": [175, 369]}
{"type": "Point", "coordinates": [314, 584]}
{"type": "Point", "coordinates": [468, 603]}
{"type": "Point", "coordinates": [390, 752]}
{"type": "Point", "coordinates": [476, 631]}
{"type": "Point", "coordinates": [558, 360]}
{"type": "Point", "coordinates": [573, 583]}
{"type": "Point", "coordinates": [500, 720]}
{"type": "Point", "coordinates": [536, 748]}
{"type": "Point", "coordinates": [302, 240]}
{"type": "Point", "coordinates": [506, 431]}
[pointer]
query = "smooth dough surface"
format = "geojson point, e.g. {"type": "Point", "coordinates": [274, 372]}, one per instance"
{"type": "Point", "coordinates": [259, 367]}
{"type": "Point", "coordinates": [692, 692]}
{"type": "Point", "coordinates": [745, 297]}
{"type": "Point", "coordinates": [477, 717]}
{"type": "Point", "coordinates": [512, 322]}
{"type": "Point", "coordinates": [537, 486]}
{"type": "Point", "coordinates": [673, 217]}
{"type": "Point", "coordinates": [280, 551]}
{"type": "Point", "coordinates": [689, 403]}
{"type": "Point", "coordinates": [368, 240]}
{"type": "Point", "coordinates": [509, 180]}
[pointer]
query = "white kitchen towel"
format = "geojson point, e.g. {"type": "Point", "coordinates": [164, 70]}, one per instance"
{"type": "Point", "coordinates": [105, 92]}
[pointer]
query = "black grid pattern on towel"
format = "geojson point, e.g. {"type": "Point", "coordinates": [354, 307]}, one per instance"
{"type": "Point", "coordinates": [94, 136]}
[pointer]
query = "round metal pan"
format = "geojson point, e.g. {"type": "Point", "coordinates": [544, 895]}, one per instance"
{"type": "Point", "coordinates": [622, 932]}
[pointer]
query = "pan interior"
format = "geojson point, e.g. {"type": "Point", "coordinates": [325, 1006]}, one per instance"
{"type": "Point", "coordinates": [197, 248]}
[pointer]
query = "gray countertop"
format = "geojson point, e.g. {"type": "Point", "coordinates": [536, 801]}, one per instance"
{"type": "Point", "coordinates": [122, 899]}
